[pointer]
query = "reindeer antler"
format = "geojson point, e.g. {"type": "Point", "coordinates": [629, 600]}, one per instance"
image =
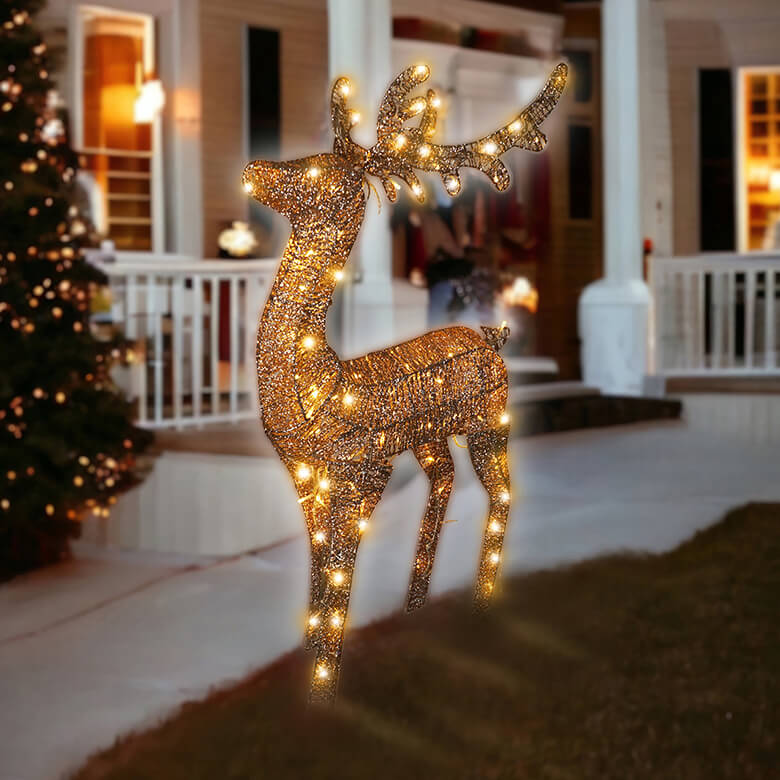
{"type": "Point", "coordinates": [400, 150]}
{"type": "Point", "coordinates": [342, 121]}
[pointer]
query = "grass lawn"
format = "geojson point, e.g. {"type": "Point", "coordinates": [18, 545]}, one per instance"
{"type": "Point", "coordinates": [621, 667]}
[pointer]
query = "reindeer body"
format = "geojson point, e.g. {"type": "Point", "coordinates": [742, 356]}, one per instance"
{"type": "Point", "coordinates": [337, 424]}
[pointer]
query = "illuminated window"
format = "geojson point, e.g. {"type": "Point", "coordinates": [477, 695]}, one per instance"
{"type": "Point", "coordinates": [759, 158]}
{"type": "Point", "coordinates": [116, 133]}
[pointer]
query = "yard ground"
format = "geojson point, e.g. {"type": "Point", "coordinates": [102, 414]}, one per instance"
{"type": "Point", "coordinates": [113, 641]}
{"type": "Point", "coordinates": [628, 666]}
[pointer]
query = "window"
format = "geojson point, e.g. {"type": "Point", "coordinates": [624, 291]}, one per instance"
{"type": "Point", "coordinates": [580, 171]}
{"type": "Point", "coordinates": [758, 150]}
{"type": "Point", "coordinates": [263, 106]}
{"type": "Point", "coordinates": [581, 64]}
{"type": "Point", "coordinates": [716, 161]}
{"type": "Point", "coordinates": [118, 144]}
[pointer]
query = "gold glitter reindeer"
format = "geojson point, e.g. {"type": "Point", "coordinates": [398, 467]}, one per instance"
{"type": "Point", "coordinates": [337, 424]}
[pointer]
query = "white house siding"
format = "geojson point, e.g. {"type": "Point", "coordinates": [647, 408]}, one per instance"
{"type": "Point", "coordinates": [304, 81]}
{"type": "Point", "coordinates": [706, 34]}
{"type": "Point", "coordinates": [657, 188]}
{"type": "Point", "coordinates": [743, 417]}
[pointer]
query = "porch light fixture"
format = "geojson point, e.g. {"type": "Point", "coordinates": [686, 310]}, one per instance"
{"type": "Point", "coordinates": [149, 102]}
{"type": "Point", "coordinates": [521, 293]}
{"type": "Point", "coordinates": [238, 240]}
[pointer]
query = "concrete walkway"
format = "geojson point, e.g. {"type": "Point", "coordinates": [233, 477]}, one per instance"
{"type": "Point", "coordinates": [111, 642]}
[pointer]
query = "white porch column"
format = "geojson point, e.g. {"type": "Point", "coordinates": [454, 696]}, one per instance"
{"type": "Point", "coordinates": [613, 312]}
{"type": "Point", "coordinates": [186, 183]}
{"type": "Point", "coordinates": [359, 38]}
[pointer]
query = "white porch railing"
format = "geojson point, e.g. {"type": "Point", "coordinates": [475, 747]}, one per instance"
{"type": "Point", "coordinates": [715, 314]}
{"type": "Point", "coordinates": [193, 325]}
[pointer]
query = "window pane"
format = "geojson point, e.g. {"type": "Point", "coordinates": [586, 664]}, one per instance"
{"type": "Point", "coordinates": [760, 161]}
{"type": "Point", "coordinates": [580, 172]}
{"type": "Point", "coordinates": [264, 107]}
{"type": "Point", "coordinates": [758, 106]}
{"type": "Point", "coordinates": [581, 63]}
{"type": "Point", "coordinates": [716, 161]}
{"type": "Point", "coordinates": [759, 129]}
{"type": "Point", "coordinates": [758, 85]}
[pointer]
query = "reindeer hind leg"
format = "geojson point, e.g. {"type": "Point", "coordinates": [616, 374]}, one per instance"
{"type": "Point", "coordinates": [489, 457]}
{"type": "Point", "coordinates": [436, 462]}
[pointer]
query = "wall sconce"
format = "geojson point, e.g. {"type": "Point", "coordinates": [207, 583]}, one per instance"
{"type": "Point", "coordinates": [238, 240]}
{"type": "Point", "coordinates": [774, 180]}
{"type": "Point", "coordinates": [149, 102]}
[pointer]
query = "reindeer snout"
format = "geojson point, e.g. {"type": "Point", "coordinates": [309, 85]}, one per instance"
{"type": "Point", "coordinates": [251, 179]}
{"type": "Point", "coordinates": [261, 178]}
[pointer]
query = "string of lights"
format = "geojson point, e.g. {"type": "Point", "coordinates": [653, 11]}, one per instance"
{"type": "Point", "coordinates": [337, 424]}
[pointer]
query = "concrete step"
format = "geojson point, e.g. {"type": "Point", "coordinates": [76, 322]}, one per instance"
{"type": "Point", "coordinates": [546, 391]}
{"type": "Point", "coordinates": [566, 406]}
{"type": "Point", "coordinates": [530, 370]}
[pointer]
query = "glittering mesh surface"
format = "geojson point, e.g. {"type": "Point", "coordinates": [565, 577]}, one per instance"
{"type": "Point", "coordinates": [337, 424]}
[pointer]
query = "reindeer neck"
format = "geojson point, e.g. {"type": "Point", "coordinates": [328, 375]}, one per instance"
{"type": "Point", "coordinates": [296, 366]}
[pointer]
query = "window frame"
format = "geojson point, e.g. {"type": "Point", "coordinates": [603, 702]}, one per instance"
{"type": "Point", "coordinates": [741, 74]}
{"type": "Point", "coordinates": [584, 113]}
{"type": "Point", "coordinates": [76, 33]}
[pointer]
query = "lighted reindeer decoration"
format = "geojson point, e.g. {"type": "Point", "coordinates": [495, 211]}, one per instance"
{"type": "Point", "coordinates": [336, 424]}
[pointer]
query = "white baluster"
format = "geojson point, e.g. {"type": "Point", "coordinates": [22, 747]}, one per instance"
{"type": "Point", "coordinates": [131, 308]}
{"type": "Point", "coordinates": [657, 309]}
{"type": "Point", "coordinates": [197, 347]}
{"type": "Point", "coordinates": [749, 308]}
{"type": "Point", "coordinates": [138, 370]}
{"type": "Point", "coordinates": [177, 345]}
{"type": "Point", "coordinates": [214, 362]}
{"type": "Point", "coordinates": [234, 319]}
{"type": "Point", "coordinates": [154, 329]}
{"type": "Point", "coordinates": [716, 319]}
{"type": "Point", "coordinates": [689, 319]}
{"type": "Point", "coordinates": [770, 327]}
{"type": "Point", "coordinates": [700, 319]}
{"type": "Point", "coordinates": [731, 317]}
{"type": "Point", "coordinates": [255, 288]}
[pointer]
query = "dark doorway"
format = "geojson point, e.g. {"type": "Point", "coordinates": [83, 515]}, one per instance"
{"type": "Point", "coordinates": [716, 161]}
{"type": "Point", "coordinates": [263, 104]}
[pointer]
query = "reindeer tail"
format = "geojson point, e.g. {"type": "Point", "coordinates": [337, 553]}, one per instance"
{"type": "Point", "coordinates": [496, 337]}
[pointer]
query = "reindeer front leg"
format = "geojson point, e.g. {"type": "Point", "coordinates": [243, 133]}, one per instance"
{"type": "Point", "coordinates": [436, 461]}
{"type": "Point", "coordinates": [311, 484]}
{"type": "Point", "coordinates": [355, 489]}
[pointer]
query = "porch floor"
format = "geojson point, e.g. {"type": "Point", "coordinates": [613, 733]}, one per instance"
{"type": "Point", "coordinates": [245, 437]}
{"type": "Point", "coordinates": [762, 385]}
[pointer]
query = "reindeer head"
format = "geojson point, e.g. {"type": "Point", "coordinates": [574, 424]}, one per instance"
{"type": "Point", "coordinates": [320, 186]}
{"type": "Point", "coordinates": [309, 189]}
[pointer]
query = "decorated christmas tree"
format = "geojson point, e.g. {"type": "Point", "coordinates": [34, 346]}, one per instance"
{"type": "Point", "coordinates": [67, 443]}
